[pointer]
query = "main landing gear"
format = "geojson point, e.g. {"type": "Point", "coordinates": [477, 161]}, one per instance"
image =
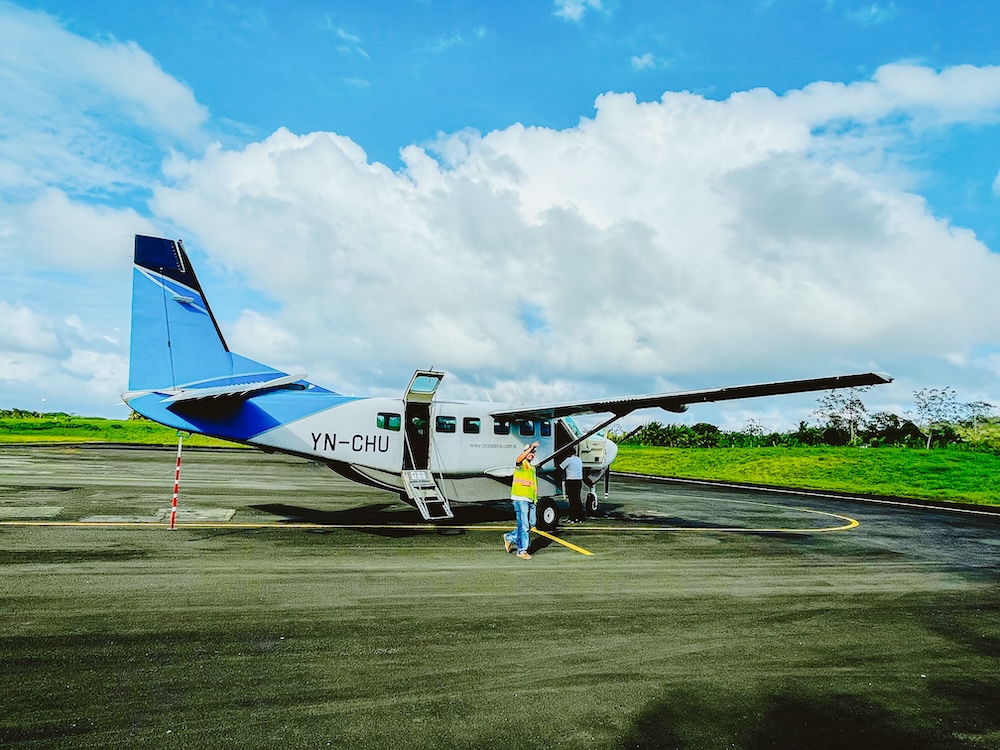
{"type": "Point", "coordinates": [546, 514]}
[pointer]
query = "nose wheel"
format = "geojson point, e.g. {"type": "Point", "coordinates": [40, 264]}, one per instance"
{"type": "Point", "coordinates": [592, 505]}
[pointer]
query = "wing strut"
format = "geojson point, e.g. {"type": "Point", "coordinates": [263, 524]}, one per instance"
{"type": "Point", "coordinates": [573, 444]}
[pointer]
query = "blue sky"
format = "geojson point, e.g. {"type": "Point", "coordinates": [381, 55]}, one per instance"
{"type": "Point", "coordinates": [698, 194]}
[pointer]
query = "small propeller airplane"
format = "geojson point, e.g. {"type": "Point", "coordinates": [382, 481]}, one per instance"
{"type": "Point", "coordinates": [433, 452]}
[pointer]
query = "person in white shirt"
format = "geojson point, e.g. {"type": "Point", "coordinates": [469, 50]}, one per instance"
{"type": "Point", "coordinates": [572, 468]}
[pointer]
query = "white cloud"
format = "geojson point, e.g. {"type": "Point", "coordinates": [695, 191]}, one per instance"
{"type": "Point", "coordinates": [66, 276]}
{"type": "Point", "coordinates": [685, 239]}
{"type": "Point", "coordinates": [643, 62]}
{"type": "Point", "coordinates": [34, 47]}
{"type": "Point", "coordinates": [83, 130]}
{"type": "Point", "coordinates": [352, 43]}
{"type": "Point", "coordinates": [26, 332]}
{"type": "Point", "coordinates": [58, 362]}
{"type": "Point", "coordinates": [83, 114]}
{"type": "Point", "coordinates": [678, 243]}
{"type": "Point", "coordinates": [347, 37]}
{"type": "Point", "coordinates": [445, 42]}
{"type": "Point", "coordinates": [574, 10]}
{"type": "Point", "coordinates": [54, 232]}
{"type": "Point", "coordinates": [874, 14]}
{"type": "Point", "coordinates": [963, 93]}
{"type": "Point", "coordinates": [101, 371]}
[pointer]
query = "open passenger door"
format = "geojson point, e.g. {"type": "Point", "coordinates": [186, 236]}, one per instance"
{"type": "Point", "coordinates": [417, 477]}
{"type": "Point", "coordinates": [419, 395]}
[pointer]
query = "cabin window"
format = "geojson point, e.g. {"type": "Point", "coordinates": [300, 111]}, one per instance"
{"type": "Point", "coordinates": [471, 425]}
{"type": "Point", "coordinates": [500, 427]}
{"type": "Point", "coordinates": [526, 428]}
{"type": "Point", "coordinates": [385, 421]}
{"type": "Point", "coordinates": [545, 429]}
{"type": "Point", "coordinates": [445, 424]}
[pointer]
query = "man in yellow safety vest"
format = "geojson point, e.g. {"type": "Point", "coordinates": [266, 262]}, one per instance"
{"type": "Point", "coordinates": [524, 496]}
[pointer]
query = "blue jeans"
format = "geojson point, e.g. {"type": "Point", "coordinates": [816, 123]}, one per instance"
{"type": "Point", "coordinates": [525, 512]}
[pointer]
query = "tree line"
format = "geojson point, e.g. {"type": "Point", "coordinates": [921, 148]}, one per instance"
{"type": "Point", "coordinates": [26, 414]}
{"type": "Point", "coordinates": [938, 419]}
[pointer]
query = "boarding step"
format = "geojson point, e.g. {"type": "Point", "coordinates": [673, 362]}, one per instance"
{"type": "Point", "coordinates": [426, 495]}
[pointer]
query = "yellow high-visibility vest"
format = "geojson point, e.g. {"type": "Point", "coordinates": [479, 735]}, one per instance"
{"type": "Point", "coordinates": [525, 484]}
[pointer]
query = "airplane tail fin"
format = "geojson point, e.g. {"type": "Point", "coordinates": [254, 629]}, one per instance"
{"type": "Point", "coordinates": [176, 341]}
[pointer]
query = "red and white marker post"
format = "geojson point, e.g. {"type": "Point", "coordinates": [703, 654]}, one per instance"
{"type": "Point", "coordinates": [177, 482]}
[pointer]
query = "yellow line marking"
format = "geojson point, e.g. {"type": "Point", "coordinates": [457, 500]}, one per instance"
{"type": "Point", "coordinates": [563, 542]}
{"type": "Point", "coordinates": [725, 529]}
{"type": "Point", "coordinates": [250, 525]}
{"type": "Point", "coordinates": [850, 524]}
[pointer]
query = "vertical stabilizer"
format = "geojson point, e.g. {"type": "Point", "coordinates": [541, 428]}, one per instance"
{"type": "Point", "coordinates": [175, 338]}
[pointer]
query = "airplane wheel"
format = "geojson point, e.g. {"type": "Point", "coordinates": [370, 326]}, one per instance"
{"type": "Point", "coordinates": [547, 514]}
{"type": "Point", "coordinates": [592, 505]}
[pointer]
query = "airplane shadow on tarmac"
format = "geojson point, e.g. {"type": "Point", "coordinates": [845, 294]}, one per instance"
{"type": "Point", "coordinates": [830, 721]}
{"type": "Point", "coordinates": [378, 518]}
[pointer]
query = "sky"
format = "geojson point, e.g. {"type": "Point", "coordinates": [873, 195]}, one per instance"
{"type": "Point", "coordinates": [549, 200]}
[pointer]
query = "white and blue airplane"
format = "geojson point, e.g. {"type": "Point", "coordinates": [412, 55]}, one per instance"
{"type": "Point", "coordinates": [433, 452]}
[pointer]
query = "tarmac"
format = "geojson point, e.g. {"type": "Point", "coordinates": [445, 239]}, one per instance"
{"type": "Point", "coordinates": [291, 608]}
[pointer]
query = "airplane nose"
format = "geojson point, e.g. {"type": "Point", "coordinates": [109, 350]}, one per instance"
{"type": "Point", "coordinates": [610, 451]}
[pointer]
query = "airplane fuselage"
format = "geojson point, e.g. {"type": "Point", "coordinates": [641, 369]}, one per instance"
{"type": "Point", "coordinates": [373, 440]}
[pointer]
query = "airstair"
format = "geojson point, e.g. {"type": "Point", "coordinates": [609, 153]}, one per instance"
{"type": "Point", "coordinates": [426, 495]}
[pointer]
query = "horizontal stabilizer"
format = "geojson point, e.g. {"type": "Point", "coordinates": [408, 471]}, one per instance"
{"type": "Point", "coordinates": [240, 392]}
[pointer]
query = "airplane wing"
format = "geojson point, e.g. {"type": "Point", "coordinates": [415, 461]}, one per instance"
{"type": "Point", "coordinates": [679, 401]}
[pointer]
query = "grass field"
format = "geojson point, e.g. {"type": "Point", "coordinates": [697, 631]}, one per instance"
{"type": "Point", "coordinates": [71, 429]}
{"type": "Point", "coordinates": [401, 638]}
{"type": "Point", "coordinates": [941, 474]}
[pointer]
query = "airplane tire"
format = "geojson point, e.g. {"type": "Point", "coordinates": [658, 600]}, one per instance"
{"type": "Point", "coordinates": [547, 514]}
{"type": "Point", "coordinates": [593, 507]}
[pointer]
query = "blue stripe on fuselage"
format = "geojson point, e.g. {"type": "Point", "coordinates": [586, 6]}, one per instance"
{"type": "Point", "coordinates": [252, 417]}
